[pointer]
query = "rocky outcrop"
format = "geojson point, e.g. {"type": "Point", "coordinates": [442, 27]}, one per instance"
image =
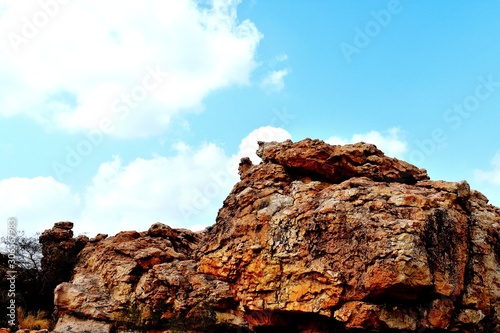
{"type": "Point", "coordinates": [60, 251]}
{"type": "Point", "coordinates": [334, 164]}
{"type": "Point", "coordinates": [316, 238]}
{"type": "Point", "coordinates": [137, 280]}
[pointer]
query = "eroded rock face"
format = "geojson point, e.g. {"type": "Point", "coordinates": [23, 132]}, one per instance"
{"type": "Point", "coordinates": [316, 238]}
{"type": "Point", "coordinates": [60, 251]}
{"type": "Point", "coordinates": [137, 280]}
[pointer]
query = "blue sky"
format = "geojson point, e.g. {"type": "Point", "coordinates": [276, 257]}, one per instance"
{"type": "Point", "coordinates": [116, 116]}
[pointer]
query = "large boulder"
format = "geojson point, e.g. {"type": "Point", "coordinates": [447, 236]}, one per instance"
{"type": "Point", "coordinates": [357, 238]}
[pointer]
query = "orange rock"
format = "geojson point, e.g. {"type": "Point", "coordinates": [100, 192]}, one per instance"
{"type": "Point", "coordinates": [316, 238]}
{"type": "Point", "coordinates": [441, 312]}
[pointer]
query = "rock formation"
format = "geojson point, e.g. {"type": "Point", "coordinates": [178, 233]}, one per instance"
{"type": "Point", "coordinates": [316, 238]}
{"type": "Point", "coordinates": [60, 251]}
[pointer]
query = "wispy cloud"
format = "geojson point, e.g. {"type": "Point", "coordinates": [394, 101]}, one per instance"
{"type": "Point", "coordinates": [274, 80]}
{"type": "Point", "coordinates": [493, 175]}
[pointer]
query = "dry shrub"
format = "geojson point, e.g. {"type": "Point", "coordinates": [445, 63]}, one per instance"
{"type": "Point", "coordinates": [31, 321]}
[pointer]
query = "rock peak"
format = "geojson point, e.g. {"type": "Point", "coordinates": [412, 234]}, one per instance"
{"type": "Point", "coordinates": [335, 163]}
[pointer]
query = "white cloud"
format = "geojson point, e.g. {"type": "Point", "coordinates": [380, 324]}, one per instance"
{"type": "Point", "coordinates": [492, 176]}
{"type": "Point", "coordinates": [183, 190]}
{"type": "Point", "coordinates": [249, 144]}
{"type": "Point", "coordinates": [274, 80]}
{"type": "Point", "coordinates": [37, 202]}
{"type": "Point", "coordinates": [488, 181]}
{"type": "Point", "coordinates": [389, 142]}
{"type": "Point", "coordinates": [78, 68]}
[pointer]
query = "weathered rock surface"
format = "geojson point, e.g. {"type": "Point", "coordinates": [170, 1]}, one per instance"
{"type": "Point", "coordinates": [146, 279]}
{"type": "Point", "coordinates": [60, 251]}
{"type": "Point", "coordinates": [335, 164]}
{"type": "Point", "coordinates": [316, 238]}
